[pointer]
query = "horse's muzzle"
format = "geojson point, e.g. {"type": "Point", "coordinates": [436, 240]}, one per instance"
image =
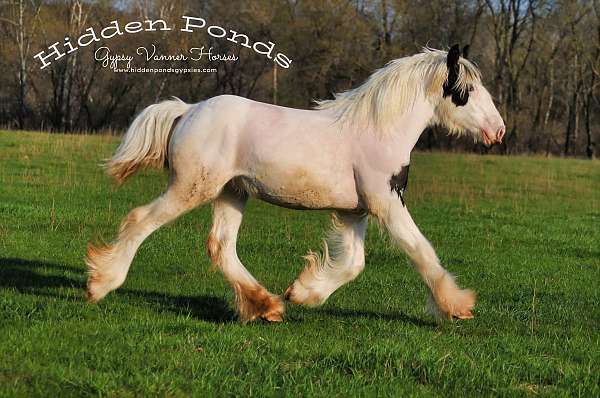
{"type": "Point", "coordinates": [496, 137]}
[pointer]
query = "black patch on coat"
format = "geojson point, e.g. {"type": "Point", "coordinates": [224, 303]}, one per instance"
{"type": "Point", "coordinates": [458, 98]}
{"type": "Point", "coordinates": [399, 181]}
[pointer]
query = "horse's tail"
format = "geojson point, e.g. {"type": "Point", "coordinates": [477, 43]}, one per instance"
{"type": "Point", "coordinates": [146, 141]}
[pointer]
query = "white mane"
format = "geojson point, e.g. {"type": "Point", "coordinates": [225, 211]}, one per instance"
{"type": "Point", "coordinates": [392, 90]}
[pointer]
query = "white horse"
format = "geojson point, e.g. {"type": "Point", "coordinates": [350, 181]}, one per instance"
{"type": "Point", "coordinates": [350, 154]}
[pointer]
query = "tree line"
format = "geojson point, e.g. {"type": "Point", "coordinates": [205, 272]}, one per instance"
{"type": "Point", "coordinates": [540, 60]}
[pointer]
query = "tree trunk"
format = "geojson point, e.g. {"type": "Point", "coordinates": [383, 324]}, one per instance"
{"type": "Point", "coordinates": [588, 130]}
{"type": "Point", "coordinates": [570, 132]}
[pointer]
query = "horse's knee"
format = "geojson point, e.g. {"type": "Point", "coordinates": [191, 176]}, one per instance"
{"type": "Point", "coordinates": [134, 217]}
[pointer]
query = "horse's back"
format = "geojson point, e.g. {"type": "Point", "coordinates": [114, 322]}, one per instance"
{"type": "Point", "coordinates": [285, 156]}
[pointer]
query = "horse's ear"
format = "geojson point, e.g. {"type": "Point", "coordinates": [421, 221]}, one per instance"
{"type": "Point", "coordinates": [465, 51]}
{"type": "Point", "coordinates": [453, 56]}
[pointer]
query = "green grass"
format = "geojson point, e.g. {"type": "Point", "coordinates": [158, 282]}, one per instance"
{"type": "Point", "coordinates": [523, 232]}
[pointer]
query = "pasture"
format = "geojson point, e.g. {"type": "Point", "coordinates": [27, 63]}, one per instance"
{"type": "Point", "coordinates": [522, 232]}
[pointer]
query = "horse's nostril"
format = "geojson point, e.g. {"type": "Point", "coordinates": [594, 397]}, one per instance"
{"type": "Point", "coordinates": [500, 133]}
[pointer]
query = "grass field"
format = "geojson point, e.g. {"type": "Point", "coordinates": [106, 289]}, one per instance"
{"type": "Point", "coordinates": [523, 232]}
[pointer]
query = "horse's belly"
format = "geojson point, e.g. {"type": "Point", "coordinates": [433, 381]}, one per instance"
{"type": "Point", "coordinates": [297, 190]}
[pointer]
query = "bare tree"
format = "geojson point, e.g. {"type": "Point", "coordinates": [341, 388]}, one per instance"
{"type": "Point", "coordinates": [20, 27]}
{"type": "Point", "coordinates": [514, 24]}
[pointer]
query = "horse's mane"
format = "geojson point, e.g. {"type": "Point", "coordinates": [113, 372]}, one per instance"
{"type": "Point", "coordinates": [391, 90]}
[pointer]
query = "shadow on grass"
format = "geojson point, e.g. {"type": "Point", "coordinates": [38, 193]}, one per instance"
{"type": "Point", "coordinates": [33, 277]}
{"type": "Point", "coordinates": [203, 307]}
{"type": "Point", "coordinates": [25, 276]}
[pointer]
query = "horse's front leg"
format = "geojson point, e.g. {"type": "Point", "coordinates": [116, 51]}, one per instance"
{"type": "Point", "coordinates": [447, 300]}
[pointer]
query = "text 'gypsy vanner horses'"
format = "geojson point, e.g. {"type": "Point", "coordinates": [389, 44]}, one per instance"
{"type": "Point", "coordinates": [350, 154]}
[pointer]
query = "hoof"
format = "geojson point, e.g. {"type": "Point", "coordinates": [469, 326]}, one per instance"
{"type": "Point", "coordinates": [450, 302]}
{"type": "Point", "coordinates": [296, 293]}
{"type": "Point", "coordinates": [288, 294]}
{"type": "Point", "coordinates": [273, 316]}
{"type": "Point", "coordinates": [102, 279]}
{"type": "Point", "coordinates": [466, 313]}
{"type": "Point", "coordinates": [90, 296]}
{"type": "Point", "coordinates": [256, 302]}
{"type": "Point", "coordinates": [97, 288]}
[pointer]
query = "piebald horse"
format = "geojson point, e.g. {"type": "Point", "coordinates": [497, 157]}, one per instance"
{"type": "Point", "coordinates": [350, 154]}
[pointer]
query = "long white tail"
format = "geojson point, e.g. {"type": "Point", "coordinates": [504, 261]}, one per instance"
{"type": "Point", "coordinates": [146, 141]}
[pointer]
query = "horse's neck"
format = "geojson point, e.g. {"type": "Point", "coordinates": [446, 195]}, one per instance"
{"type": "Point", "coordinates": [392, 151]}
{"type": "Point", "coordinates": [407, 129]}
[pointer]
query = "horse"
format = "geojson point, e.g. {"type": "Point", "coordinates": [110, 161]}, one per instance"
{"type": "Point", "coordinates": [350, 154]}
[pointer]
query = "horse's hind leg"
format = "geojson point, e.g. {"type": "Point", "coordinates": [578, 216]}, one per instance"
{"type": "Point", "coordinates": [108, 264]}
{"type": "Point", "coordinates": [253, 301]}
{"type": "Point", "coordinates": [342, 260]}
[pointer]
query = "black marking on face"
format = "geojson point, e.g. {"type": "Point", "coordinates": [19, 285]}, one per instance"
{"type": "Point", "coordinates": [399, 181]}
{"type": "Point", "coordinates": [458, 98]}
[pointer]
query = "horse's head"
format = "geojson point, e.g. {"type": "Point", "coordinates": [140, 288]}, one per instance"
{"type": "Point", "coordinates": [465, 104]}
